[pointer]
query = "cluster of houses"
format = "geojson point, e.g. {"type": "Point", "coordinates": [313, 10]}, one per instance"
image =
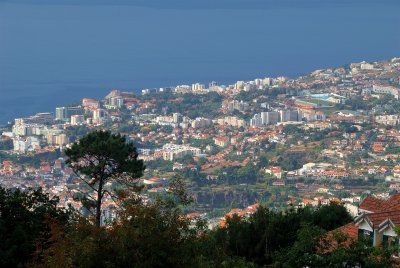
{"type": "Point", "coordinates": [234, 136]}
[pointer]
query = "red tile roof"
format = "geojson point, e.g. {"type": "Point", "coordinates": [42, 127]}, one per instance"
{"type": "Point", "coordinates": [374, 204]}
{"type": "Point", "coordinates": [394, 203]}
{"type": "Point", "coordinates": [329, 243]}
{"type": "Point", "coordinates": [378, 218]}
{"type": "Point", "coordinates": [349, 229]}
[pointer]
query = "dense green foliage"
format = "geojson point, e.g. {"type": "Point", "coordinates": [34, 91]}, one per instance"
{"type": "Point", "coordinates": [25, 219]}
{"type": "Point", "coordinates": [6, 145]}
{"type": "Point", "coordinates": [268, 234]}
{"type": "Point", "coordinates": [154, 234]}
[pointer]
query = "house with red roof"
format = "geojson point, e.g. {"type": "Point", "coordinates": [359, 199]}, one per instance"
{"type": "Point", "coordinates": [242, 213]}
{"type": "Point", "coordinates": [278, 183]}
{"type": "Point", "coordinates": [377, 220]}
{"type": "Point", "coordinates": [7, 167]}
{"type": "Point", "coordinates": [350, 230]}
{"type": "Point", "coordinates": [275, 171]}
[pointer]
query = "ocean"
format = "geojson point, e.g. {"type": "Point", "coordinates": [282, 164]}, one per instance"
{"type": "Point", "coordinates": [56, 54]}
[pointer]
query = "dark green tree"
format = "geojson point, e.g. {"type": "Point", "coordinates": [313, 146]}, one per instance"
{"type": "Point", "coordinates": [331, 216]}
{"type": "Point", "coordinates": [102, 156]}
{"type": "Point", "coordinates": [24, 224]}
{"type": "Point", "coordinates": [304, 252]}
{"type": "Point", "coordinates": [267, 235]}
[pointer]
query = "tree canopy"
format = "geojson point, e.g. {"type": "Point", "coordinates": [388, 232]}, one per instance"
{"type": "Point", "coordinates": [102, 156]}
{"type": "Point", "coordinates": [25, 219]}
{"type": "Point", "coordinates": [35, 233]}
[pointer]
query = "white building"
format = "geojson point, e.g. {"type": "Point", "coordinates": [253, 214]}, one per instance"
{"type": "Point", "coordinates": [201, 122]}
{"type": "Point", "coordinates": [175, 151]}
{"type": "Point", "coordinates": [314, 168]}
{"type": "Point", "coordinates": [198, 87]}
{"type": "Point", "coordinates": [386, 89]}
{"type": "Point", "coordinates": [28, 144]}
{"type": "Point", "coordinates": [256, 121]}
{"type": "Point", "coordinates": [270, 118]}
{"type": "Point", "coordinates": [77, 119]}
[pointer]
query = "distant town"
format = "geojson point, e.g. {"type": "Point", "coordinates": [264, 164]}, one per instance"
{"type": "Point", "coordinates": [330, 136]}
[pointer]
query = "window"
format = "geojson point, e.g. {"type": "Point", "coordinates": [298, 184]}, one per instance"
{"type": "Point", "coordinates": [366, 235]}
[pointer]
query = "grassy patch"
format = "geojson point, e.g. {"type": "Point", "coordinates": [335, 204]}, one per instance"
{"type": "Point", "coordinates": [320, 102]}
{"type": "Point", "coordinates": [329, 111]}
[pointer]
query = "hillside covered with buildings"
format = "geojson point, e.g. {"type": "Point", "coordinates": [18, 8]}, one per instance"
{"type": "Point", "coordinates": [329, 136]}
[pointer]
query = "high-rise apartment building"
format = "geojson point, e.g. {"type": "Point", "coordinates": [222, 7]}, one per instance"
{"type": "Point", "coordinates": [270, 118]}
{"type": "Point", "coordinates": [290, 115]}
{"type": "Point", "coordinates": [256, 121]}
{"type": "Point", "coordinates": [64, 113]}
{"type": "Point", "coordinates": [177, 117]}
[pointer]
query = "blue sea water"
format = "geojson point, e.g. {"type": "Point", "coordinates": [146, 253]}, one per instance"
{"type": "Point", "coordinates": [56, 52]}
